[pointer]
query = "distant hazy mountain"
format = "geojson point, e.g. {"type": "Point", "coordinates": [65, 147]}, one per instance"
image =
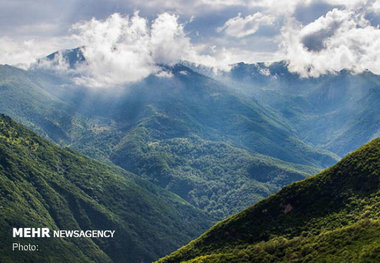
{"type": "Point", "coordinates": [337, 112]}
{"type": "Point", "coordinates": [72, 57]}
{"type": "Point", "coordinates": [42, 185]}
{"type": "Point", "coordinates": [330, 217]}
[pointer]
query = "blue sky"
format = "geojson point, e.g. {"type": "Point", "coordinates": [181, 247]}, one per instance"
{"type": "Point", "coordinates": [314, 36]}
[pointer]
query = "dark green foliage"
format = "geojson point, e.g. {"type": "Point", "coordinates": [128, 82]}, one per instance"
{"type": "Point", "coordinates": [213, 176]}
{"type": "Point", "coordinates": [200, 140]}
{"type": "Point", "coordinates": [24, 98]}
{"type": "Point", "coordinates": [42, 185]}
{"type": "Point", "coordinates": [359, 242]}
{"type": "Point", "coordinates": [330, 216]}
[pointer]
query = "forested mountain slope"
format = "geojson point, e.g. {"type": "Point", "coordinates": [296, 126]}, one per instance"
{"type": "Point", "coordinates": [333, 216]}
{"type": "Point", "coordinates": [42, 185]}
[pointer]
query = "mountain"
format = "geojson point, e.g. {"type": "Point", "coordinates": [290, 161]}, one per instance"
{"type": "Point", "coordinates": [72, 57]}
{"type": "Point", "coordinates": [215, 142]}
{"type": "Point", "coordinates": [335, 111]}
{"type": "Point", "coordinates": [43, 185]}
{"type": "Point", "coordinates": [187, 133]}
{"type": "Point", "coordinates": [191, 135]}
{"type": "Point", "coordinates": [333, 216]}
{"type": "Point", "coordinates": [328, 112]}
{"type": "Point", "coordinates": [24, 97]}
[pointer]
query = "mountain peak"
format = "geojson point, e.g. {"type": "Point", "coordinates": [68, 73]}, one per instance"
{"type": "Point", "coordinates": [67, 57]}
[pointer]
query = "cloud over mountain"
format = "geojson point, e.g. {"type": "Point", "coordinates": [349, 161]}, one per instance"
{"type": "Point", "coordinates": [123, 45]}
{"type": "Point", "coordinates": [122, 49]}
{"type": "Point", "coordinates": [341, 39]}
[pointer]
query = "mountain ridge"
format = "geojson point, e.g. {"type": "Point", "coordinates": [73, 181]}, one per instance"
{"type": "Point", "coordinates": [299, 99]}
{"type": "Point", "coordinates": [336, 199]}
{"type": "Point", "coordinates": [44, 185]}
{"type": "Point", "coordinates": [149, 122]}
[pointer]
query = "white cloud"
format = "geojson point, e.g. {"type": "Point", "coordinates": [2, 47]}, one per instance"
{"type": "Point", "coordinates": [121, 50]}
{"type": "Point", "coordinates": [23, 52]}
{"type": "Point", "coordinates": [169, 43]}
{"type": "Point", "coordinates": [116, 50]}
{"type": "Point", "coordinates": [342, 39]}
{"type": "Point", "coordinates": [183, 72]}
{"type": "Point", "coordinates": [223, 59]}
{"type": "Point", "coordinates": [164, 74]}
{"type": "Point", "coordinates": [244, 26]}
{"type": "Point", "coordinates": [16, 52]}
{"type": "Point", "coordinates": [264, 71]}
{"type": "Point", "coordinates": [374, 6]}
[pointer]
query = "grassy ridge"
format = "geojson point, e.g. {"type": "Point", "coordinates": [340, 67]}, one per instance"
{"type": "Point", "coordinates": [338, 198]}
{"type": "Point", "coordinates": [359, 242]}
